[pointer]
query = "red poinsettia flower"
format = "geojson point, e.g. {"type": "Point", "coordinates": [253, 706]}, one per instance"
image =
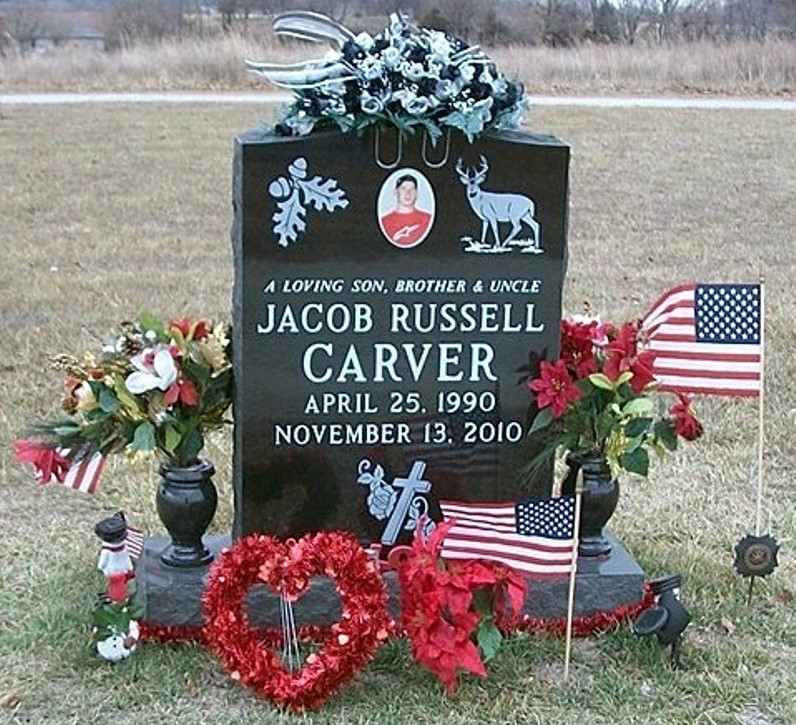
{"type": "Point", "coordinates": [686, 424]}
{"type": "Point", "coordinates": [554, 387]}
{"type": "Point", "coordinates": [577, 346]}
{"type": "Point", "coordinates": [622, 355]}
{"type": "Point", "coordinates": [183, 391]}
{"type": "Point", "coordinates": [49, 463]}
{"type": "Point", "coordinates": [438, 605]}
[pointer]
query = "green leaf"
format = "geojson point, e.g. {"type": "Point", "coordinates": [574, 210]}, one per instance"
{"type": "Point", "coordinates": [66, 430]}
{"type": "Point", "coordinates": [543, 419]}
{"type": "Point", "coordinates": [666, 434]}
{"type": "Point", "coordinates": [144, 437]}
{"type": "Point", "coordinates": [172, 438]}
{"type": "Point", "coordinates": [636, 461]}
{"type": "Point", "coordinates": [148, 322]}
{"type": "Point", "coordinates": [124, 395]}
{"type": "Point", "coordinates": [637, 427]}
{"type": "Point", "coordinates": [623, 378]}
{"type": "Point", "coordinates": [188, 450]}
{"type": "Point", "coordinates": [108, 402]}
{"type": "Point", "coordinates": [638, 406]}
{"type": "Point", "coordinates": [601, 380]}
{"type": "Point", "coordinates": [488, 638]}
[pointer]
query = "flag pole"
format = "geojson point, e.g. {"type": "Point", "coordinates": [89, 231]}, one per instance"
{"type": "Point", "coordinates": [573, 572]}
{"type": "Point", "coordinates": [760, 417]}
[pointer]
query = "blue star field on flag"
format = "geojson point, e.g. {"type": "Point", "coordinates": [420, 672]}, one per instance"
{"type": "Point", "coordinates": [551, 518]}
{"type": "Point", "coordinates": [728, 313]}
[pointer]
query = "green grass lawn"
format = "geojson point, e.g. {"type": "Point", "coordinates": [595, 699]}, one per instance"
{"type": "Point", "coordinates": [110, 210]}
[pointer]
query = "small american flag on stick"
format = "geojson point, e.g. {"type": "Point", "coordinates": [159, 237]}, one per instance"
{"type": "Point", "coordinates": [708, 338]}
{"type": "Point", "coordinates": [134, 542]}
{"type": "Point", "coordinates": [535, 537]}
{"type": "Point", "coordinates": [84, 472]}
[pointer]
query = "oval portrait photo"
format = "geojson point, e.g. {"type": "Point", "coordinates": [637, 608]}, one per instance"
{"type": "Point", "coordinates": [405, 208]}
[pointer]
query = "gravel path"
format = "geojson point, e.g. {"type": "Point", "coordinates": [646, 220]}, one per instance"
{"type": "Point", "coordinates": [751, 104]}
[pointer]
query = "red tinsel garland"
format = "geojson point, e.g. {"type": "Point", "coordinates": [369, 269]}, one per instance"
{"type": "Point", "coordinates": [345, 647]}
{"type": "Point", "coordinates": [590, 623]}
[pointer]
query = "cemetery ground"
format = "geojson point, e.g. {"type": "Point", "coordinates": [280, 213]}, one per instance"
{"type": "Point", "coordinates": [111, 210]}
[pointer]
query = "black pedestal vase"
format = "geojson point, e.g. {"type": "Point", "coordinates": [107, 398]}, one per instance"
{"type": "Point", "coordinates": [600, 497]}
{"type": "Point", "coordinates": [186, 503]}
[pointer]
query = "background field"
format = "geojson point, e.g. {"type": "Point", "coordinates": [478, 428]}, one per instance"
{"type": "Point", "coordinates": [215, 63]}
{"type": "Point", "coordinates": [108, 211]}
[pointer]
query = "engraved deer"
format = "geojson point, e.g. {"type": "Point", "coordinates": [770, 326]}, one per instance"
{"type": "Point", "coordinates": [492, 208]}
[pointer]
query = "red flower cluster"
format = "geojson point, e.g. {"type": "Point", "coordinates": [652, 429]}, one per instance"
{"type": "Point", "coordinates": [578, 340]}
{"type": "Point", "coordinates": [622, 355]}
{"type": "Point", "coordinates": [190, 330]}
{"type": "Point", "coordinates": [581, 343]}
{"type": "Point", "coordinates": [686, 424]}
{"type": "Point", "coordinates": [346, 646]}
{"type": "Point", "coordinates": [598, 400]}
{"type": "Point", "coordinates": [439, 608]}
{"type": "Point", "coordinates": [49, 463]}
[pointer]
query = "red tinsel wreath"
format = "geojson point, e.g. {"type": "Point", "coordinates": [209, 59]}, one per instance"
{"type": "Point", "coordinates": [346, 646]}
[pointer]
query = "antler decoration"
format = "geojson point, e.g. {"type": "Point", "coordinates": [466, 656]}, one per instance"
{"type": "Point", "coordinates": [407, 77]}
{"type": "Point", "coordinates": [315, 27]}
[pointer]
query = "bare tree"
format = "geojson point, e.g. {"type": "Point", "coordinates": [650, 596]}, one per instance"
{"type": "Point", "coordinates": [147, 20]}
{"type": "Point", "coordinates": [25, 26]}
{"type": "Point", "coordinates": [563, 23]}
{"type": "Point", "coordinates": [630, 14]}
{"type": "Point", "coordinates": [666, 14]}
{"type": "Point", "coordinates": [6, 39]}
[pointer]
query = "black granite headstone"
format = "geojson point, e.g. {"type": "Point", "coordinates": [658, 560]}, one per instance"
{"type": "Point", "coordinates": [385, 298]}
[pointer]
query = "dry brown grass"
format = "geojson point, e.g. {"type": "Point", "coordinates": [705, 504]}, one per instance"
{"type": "Point", "coordinates": [110, 210]}
{"type": "Point", "coordinates": [217, 63]}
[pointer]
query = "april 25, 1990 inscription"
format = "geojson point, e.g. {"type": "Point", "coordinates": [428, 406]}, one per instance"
{"type": "Point", "coordinates": [354, 351]}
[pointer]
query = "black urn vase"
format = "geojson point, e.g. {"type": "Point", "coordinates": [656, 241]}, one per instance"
{"type": "Point", "coordinates": [186, 503]}
{"type": "Point", "coordinates": [600, 497]}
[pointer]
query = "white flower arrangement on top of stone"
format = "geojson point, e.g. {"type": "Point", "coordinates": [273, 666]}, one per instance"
{"type": "Point", "coordinates": [406, 77]}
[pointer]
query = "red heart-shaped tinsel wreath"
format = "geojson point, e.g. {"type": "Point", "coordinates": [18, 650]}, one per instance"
{"type": "Point", "coordinates": [347, 645]}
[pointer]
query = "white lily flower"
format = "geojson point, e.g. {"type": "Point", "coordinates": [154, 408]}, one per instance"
{"type": "Point", "coordinates": [161, 374]}
{"type": "Point", "coordinates": [365, 40]}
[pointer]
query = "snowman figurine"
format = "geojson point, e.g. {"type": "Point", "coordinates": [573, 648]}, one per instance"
{"type": "Point", "coordinates": [114, 561]}
{"type": "Point", "coordinates": [115, 611]}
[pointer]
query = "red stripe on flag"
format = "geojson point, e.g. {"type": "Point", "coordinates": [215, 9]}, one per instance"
{"type": "Point", "coordinates": [83, 475]}
{"type": "Point", "coordinates": [134, 543]}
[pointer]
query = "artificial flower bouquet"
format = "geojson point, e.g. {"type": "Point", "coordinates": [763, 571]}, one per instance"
{"type": "Point", "coordinates": [600, 399]}
{"type": "Point", "coordinates": [406, 77]}
{"type": "Point", "coordinates": [155, 387]}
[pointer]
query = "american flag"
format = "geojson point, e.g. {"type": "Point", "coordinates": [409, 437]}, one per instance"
{"type": "Point", "coordinates": [535, 537]}
{"type": "Point", "coordinates": [708, 338]}
{"type": "Point", "coordinates": [83, 475]}
{"type": "Point", "coordinates": [134, 542]}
